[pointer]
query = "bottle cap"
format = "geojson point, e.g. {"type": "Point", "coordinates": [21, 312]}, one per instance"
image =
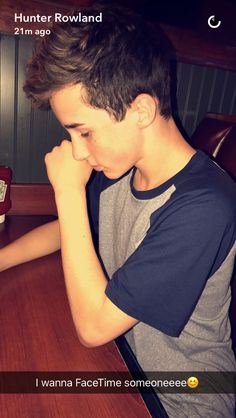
{"type": "Point", "coordinates": [2, 218]}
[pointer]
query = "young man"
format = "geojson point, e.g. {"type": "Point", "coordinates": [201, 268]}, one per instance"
{"type": "Point", "coordinates": [164, 212]}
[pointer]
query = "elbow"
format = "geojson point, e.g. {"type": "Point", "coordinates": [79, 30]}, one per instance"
{"type": "Point", "coordinates": [90, 339]}
{"type": "Point", "coordinates": [88, 343]}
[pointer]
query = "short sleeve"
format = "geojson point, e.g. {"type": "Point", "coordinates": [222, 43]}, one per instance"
{"type": "Point", "coordinates": [161, 282]}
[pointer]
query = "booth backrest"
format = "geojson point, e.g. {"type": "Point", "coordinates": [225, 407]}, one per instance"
{"type": "Point", "coordinates": [216, 135]}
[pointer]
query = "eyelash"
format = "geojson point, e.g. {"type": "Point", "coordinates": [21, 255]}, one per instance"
{"type": "Point", "coordinates": [85, 134]}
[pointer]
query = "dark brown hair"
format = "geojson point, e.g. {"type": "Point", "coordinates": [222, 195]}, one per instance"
{"type": "Point", "coordinates": [115, 60]}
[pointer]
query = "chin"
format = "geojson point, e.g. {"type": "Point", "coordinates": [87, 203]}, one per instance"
{"type": "Point", "coordinates": [110, 175]}
{"type": "Point", "coordinates": [113, 175]}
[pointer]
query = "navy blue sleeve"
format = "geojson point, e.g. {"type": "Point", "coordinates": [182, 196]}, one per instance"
{"type": "Point", "coordinates": [161, 282]}
{"type": "Point", "coordinates": [93, 191]}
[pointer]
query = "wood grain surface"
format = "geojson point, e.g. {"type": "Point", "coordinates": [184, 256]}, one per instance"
{"type": "Point", "coordinates": [37, 334]}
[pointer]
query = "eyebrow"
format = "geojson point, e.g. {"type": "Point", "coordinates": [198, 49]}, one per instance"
{"type": "Point", "coordinates": [73, 125]}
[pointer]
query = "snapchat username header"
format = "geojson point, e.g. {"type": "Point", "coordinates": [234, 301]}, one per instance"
{"type": "Point", "coordinates": [21, 19]}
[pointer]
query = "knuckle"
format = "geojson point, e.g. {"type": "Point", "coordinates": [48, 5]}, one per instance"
{"type": "Point", "coordinates": [64, 143]}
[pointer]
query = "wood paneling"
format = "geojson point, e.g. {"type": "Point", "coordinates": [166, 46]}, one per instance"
{"type": "Point", "coordinates": [26, 134]}
{"type": "Point", "coordinates": [201, 90]}
{"type": "Point", "coordinates": [7, 99]}
{"type": "Point", "coordinates": [23, 133]}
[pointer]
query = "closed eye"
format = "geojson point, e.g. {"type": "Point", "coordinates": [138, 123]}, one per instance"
{"type": "Point", "coordinates": [84, 134]}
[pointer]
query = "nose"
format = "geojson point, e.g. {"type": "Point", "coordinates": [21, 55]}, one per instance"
{"type": "Point", "coordinates": [79, 149]}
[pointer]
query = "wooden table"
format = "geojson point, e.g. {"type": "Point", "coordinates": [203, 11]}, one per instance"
{"type": "Point", "coordinates": [37, 334]}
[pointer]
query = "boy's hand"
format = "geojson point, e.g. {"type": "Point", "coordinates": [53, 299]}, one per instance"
{"type": "Point", "coordinates": [64, 172]}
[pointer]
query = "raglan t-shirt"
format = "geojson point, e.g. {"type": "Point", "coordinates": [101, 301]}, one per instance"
{"type": "Point", "coordinates": [169, 254]}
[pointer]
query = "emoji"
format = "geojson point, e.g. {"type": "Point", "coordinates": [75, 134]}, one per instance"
{"type": "Point", "coordinates": [192, 382]}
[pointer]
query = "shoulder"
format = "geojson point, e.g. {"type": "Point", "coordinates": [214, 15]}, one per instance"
{"type": "Point", "coordinates": [202, 208]}
{"type": "Point", "coordinates": [204, 189]}
{"type": "Point", "coordinates": [216, 190]}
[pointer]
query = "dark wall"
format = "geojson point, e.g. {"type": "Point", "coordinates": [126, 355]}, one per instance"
{"type": "Point", "coordinates": [26, 135]}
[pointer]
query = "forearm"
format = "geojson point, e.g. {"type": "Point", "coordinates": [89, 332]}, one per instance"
{"type": "Point", "coordinates": [85, 279]}
{"type": "Point", "coordinates": [97, 319]}
{"type": "Point", "coordinates": [36, 243]}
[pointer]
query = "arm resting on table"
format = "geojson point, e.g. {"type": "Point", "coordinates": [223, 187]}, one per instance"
{"type": "Point", "coordinates": [39, 242]}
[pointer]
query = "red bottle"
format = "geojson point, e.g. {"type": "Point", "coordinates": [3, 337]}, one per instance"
{"type": "Point", "coordinates": [5, 181]}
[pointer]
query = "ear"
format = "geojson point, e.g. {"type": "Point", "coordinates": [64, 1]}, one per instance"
{"type": "Point", "coordinates": [146, 108]}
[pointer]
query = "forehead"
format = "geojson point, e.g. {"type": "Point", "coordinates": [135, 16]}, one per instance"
{"type": "Point", "coordinates": [67, 99]}
{"type": "Point", "coordinates": [69, 106]}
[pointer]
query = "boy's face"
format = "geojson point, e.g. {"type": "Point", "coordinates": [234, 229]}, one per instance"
{"type": "Point", "coordinates": [108, 146]}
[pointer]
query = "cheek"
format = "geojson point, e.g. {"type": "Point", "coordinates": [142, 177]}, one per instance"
{"type": "Point", "coordinates": [114, 147]}
{"type": "Point", "coordinates": [119, 152]}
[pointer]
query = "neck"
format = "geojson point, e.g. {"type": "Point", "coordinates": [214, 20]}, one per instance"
{"type": "Point", "coordinates": [165, 152]}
